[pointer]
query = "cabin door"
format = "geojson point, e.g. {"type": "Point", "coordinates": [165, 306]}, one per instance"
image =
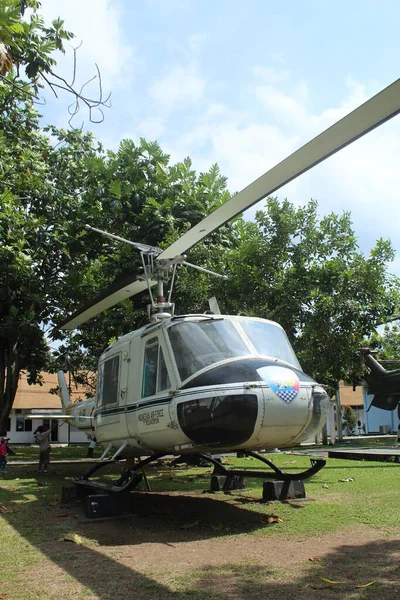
{"type": "Point", "coordinates": [112, 393]}
{"type": "Point", "coordinates": [152, 415]}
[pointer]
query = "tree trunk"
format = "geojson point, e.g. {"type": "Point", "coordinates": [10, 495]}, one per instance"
{"type": "Point", "coordinates": [9, 378]}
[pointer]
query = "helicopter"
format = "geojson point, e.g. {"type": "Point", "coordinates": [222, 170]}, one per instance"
{"type": "Point", "coordinates": [208, 383]}
{"type": "Point", "coordinates": [381, 383]}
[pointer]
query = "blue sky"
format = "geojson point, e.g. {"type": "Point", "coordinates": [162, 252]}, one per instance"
{"type": "Point", "coordinates": [246, 84]}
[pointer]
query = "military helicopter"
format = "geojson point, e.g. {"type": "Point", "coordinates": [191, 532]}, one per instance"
{"type": "Point", "coordinates": [383, 384]}
{"type": "Point", "coordinates": [208, 383]}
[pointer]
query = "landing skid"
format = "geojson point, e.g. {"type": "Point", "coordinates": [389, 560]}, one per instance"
{"type": "Point", "coordinates": [128, 481]}
{"type": "Point", "coordinates": [110, 499]}
{"type": "Point", "coordinates": [276, 474]}
{"type": "Point", "coordinates": [278, 485]}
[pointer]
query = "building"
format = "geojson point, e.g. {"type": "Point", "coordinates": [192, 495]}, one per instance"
{"type": "Point", "coordinates": [37, 399]}
{"type": "Point", "coordinates": [378, 420]}
{"type": "Point", "coordinates": [334, 423]}
{"type": "Point", "coordinates": [373, 420]}
{"type": "Point", "coordinates": [353, 399]}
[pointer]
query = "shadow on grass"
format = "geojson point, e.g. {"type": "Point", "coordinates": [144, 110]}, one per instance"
{"type": "Point", "coordinates": [351, 566]}
{"type": "Point", "coordinates": [33, 512]}
{"type": "Point", "coordinates": [168, 519]}
{"type": "Point", "coordinates": [158, 516]}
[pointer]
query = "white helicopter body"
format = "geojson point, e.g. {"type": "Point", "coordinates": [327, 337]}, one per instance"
{"type": "Point", "coordinates": [203, 383]}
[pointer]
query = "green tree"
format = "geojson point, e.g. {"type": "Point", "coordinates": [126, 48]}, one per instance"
{"type": "Point", "coordinates": [34, 253]}
{"type": "Point", "coordinates": [137, 194]}
{"type": "Point", "coordinates": [386, 343]}
{"type": "Point", "coordinates": [287, 265]}
{"type": "Point", "coordinates": [349, 420]}
{"type": "Point", "coordinates": [309, 275]}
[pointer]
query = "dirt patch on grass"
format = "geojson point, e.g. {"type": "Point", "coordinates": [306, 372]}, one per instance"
{"type": "Point", "coordinates": [243, 567]}
{"type": "Point", "coordinates": [200, 546]}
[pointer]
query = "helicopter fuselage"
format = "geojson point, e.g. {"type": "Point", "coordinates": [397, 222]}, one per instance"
{"type": "Point", "coordinates": [202, 383]}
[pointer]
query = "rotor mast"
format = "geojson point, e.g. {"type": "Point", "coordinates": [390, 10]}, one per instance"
{"type": "Point", "coordinates": [158, 270]}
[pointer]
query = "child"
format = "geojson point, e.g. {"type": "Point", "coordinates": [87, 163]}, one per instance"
{"type": "Point", "coordinates": [3, 455]}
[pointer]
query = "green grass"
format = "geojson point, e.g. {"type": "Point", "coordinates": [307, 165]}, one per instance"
{"type": "Point", "coordinates": [33, 523]}
{"type": "Point", "coordinates": [25, 452]}
{"type": "Point", "coordinates": [364, 442]}
{"type": "Point", "coordinates": [57, 452]}
{"type": "Point", "coordinates": [372, 498]}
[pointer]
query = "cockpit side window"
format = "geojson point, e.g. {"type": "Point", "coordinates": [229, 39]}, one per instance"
{"type": "Point", "coordinates": [155, 375]}
{"type": "Point", "coordinates": [163, 378]}
{"type": "Point", "coordinates": [270, 340]}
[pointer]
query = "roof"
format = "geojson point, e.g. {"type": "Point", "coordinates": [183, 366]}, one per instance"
{"type": "Point", "coordinates": [350, 398]}
{"type": "Point", "coordinates": [38, 396]}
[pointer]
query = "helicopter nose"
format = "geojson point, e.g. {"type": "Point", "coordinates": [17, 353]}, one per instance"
{"type": "Point", "coordinates": [320, 408]}
{"type": "Point", "coordinates": [223, 420]}
{"type": "Point", "coordinates": [321, 404]}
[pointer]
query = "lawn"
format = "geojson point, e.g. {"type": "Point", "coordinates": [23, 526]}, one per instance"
{"type": "Point", "coordinates": [184, 542]}
{"type": "Point", "coordinates": [57, 452]}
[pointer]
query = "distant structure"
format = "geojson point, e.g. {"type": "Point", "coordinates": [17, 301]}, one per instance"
{"type": "Point", "coordinates": [31, 399]}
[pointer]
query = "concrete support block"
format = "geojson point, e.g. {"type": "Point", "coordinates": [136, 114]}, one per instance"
{"type": "Point", "coordinates": [221, 483]}
{"type": "Point", "coordinates": [283, 490]}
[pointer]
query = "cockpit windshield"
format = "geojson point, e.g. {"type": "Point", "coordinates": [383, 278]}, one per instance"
{"type": "Point", "coordinates": [197, 344]}
{"type": "Point", "coordinates": [270, 340]}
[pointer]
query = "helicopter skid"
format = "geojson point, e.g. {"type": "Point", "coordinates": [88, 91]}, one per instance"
{"type": "Point", "coordinates": [105, 500]}
{"type": "Point", "coordinates": [276, 474]}
{"type": "Point", "coordinates": [128, 481]}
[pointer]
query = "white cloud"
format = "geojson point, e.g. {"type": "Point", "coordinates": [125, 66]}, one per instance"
{"type": "Point", "coordinates": [363, 178]}
{"type": "Point", "coordinates": [271, 75]}
{"type": "Point", "coordinates": [152, 127]}
{"type": "Point", "coordinates": [180, 86]}
{"type": "Point", "coordinates": [197, 41]}
{"type": "Point", "coordinates": [286, 109]}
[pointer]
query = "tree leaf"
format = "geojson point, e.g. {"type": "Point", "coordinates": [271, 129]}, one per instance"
{"type": "Point", "coordinates": [270, 519]}
{"type": "Point", "coordinates": [73, 537]}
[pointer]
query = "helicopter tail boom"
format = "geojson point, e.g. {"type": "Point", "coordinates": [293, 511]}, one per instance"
{"type": "Point", "coordinates": [65, 399]}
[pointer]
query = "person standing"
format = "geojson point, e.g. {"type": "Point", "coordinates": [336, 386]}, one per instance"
{"type": "Point", "coordinates": [43, 439]}
{"type": "Point", "coordinates": [3, 455]}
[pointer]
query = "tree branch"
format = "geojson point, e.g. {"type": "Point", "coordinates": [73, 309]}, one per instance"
{"type": "Point", "coordinates": [18, 87]}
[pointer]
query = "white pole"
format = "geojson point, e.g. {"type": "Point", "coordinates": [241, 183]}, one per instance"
{"type": "Point", "coordinates": [339, 415]}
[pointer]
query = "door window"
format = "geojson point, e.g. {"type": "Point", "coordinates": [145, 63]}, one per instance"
{"type": "Point", "coordinates": [163, 379]}
{"type": "Point", "coordinates": [155, 375]}
{"type": "Point", "coordinates": [53, 425]}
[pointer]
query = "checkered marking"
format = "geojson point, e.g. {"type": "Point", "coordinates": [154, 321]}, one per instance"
{"type": "Point", "coordinates": [286, 396]}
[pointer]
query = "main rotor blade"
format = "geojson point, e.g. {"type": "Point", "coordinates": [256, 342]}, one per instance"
{"type": "Point", "coordinates": [368, 116]}
{"type": "Point", "coordinates": [114, 294]}
{"type": "Point", "coordinates": [145, 248]}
